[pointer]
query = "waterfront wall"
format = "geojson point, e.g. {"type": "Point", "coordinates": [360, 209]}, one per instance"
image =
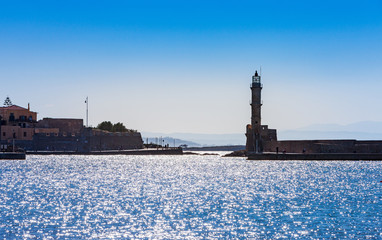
{"type": "Point", "coordinates": [12, 156]}
{"type": "Point", "coordinates": [85, 141]}
{"type": "Point", "coordinates": [324, 146]}
{"type": "Point", "coordinates": [318, 156]}
{"type": "Point", "coordinates": [114, 141]}
{"type": "Point", "coordinates": [165, 151]}
{"type": "Point", "coordinates": [59, 142]}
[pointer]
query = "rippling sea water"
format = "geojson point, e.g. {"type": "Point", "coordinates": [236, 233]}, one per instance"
{"type": "Point", "coordinates": [188, 197]}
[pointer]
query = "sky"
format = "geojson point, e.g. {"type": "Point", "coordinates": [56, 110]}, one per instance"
{"type": "Point", "coordinates": [178, 66]}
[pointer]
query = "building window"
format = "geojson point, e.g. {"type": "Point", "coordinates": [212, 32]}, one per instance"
{"type": "Point", "coordinates": [4, 134]}
{"type": "Point", "coordinates": [47, 134]}
{"type": "Point", "coordinates": [25, 134]}
{"type": "Point", "coordinates": [12, 117]}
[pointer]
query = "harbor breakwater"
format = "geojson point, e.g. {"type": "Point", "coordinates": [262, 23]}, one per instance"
{"type": "Point", "coordinates": [165, 151]}
{"type": "Point", "coordinates": [12, 156]}
{"type": "Point", "coordinates": [318, 156]}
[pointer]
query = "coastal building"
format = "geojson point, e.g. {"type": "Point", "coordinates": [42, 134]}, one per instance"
{"type": "Point", "coordinates": [19, 126]}
{"type": "Point", "coordinates": [262, 139]}
{"type": "Point", "coordinates": [16, 123]}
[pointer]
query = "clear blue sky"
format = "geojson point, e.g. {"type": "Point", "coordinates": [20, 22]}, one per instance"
{"type": "Point", "coordinates": [171, 66]}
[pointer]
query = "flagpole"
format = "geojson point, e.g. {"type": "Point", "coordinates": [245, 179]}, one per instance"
{"type": "Point", "coordinates": [87, 112]}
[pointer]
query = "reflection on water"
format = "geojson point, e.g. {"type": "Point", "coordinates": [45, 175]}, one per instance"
{"type": "Point", "coordinates": [180, 197]}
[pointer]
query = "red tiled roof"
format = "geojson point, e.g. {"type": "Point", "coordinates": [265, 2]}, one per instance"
{"type": "Point", "coordinates": [14, 107]}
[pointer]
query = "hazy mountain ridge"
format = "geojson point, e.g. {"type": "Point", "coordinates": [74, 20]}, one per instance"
{"type": "Point", "coordinates": [364, 126]}
{"type": "Point", "coordinates": [366, 130]}
{"type": "Point", "coordinates": [197, 139]}
{"type": "Point", "coordinates": [316, 135]}
{"type": "Point", "coordinates": [172, 142]}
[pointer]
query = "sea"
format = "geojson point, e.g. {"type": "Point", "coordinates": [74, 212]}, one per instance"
{"type": "Point", "coordinates": [188, 197]}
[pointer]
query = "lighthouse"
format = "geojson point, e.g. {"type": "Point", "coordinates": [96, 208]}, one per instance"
{"type": "Point", "coordinates": [254, 141]}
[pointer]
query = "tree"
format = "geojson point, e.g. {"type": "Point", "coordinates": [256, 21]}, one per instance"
{"type": "Point", "coordinates": [119, 127]}
{"type": "Point", "coordinates": [8, 102]}
{"type": "Point", "coordinates": [105, 125]}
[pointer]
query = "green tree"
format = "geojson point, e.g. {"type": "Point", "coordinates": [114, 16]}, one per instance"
{"type": "Point", "coordinates": [105, 125]}
{"type": "Point", "coordinates": [119, 127]}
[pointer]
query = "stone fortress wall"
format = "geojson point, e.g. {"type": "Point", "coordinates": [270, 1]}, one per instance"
{"type": "Point", "coordinates": [324, 146]}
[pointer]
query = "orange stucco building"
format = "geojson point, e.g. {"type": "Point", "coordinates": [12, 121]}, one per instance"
{"type": "Point", "coordinates": [15, 114]}
{"type": "Point", "coordinates": [17, 122]}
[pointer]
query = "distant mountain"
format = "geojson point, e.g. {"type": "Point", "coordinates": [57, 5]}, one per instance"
{"type": "Point", "coordinates": [365, 126]}
{"type": "Point", "coordinates": [198, 140]}
{"type": "Point", "coordinates": [172, 142]}
{"type": "Point", "coordinates": [310, 135]}
{"type": "Point", "coordinates": [367, 130]}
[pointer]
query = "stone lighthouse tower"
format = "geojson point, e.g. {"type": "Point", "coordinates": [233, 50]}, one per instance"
{"type": "Point", "coordinates": [254, 141]}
